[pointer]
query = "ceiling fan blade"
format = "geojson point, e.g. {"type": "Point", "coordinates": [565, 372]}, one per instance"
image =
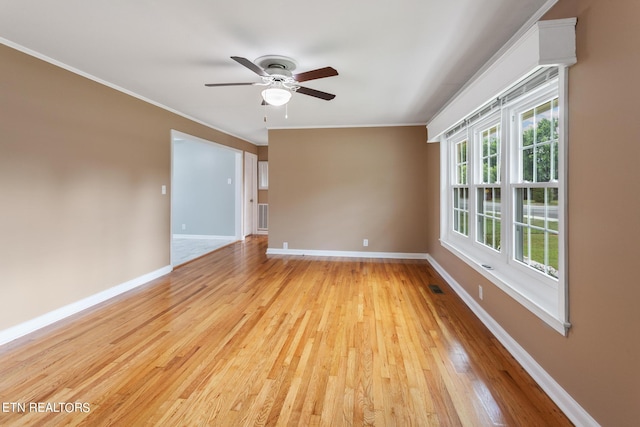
{"type": "Point", "coordinates": [320, 73]}
{"type": "Point", "coordinates": [316, 93]}
{"type": "Point", "coordinates": [229, 84]}
{"type": "Point", "coordinates": [250, 65]}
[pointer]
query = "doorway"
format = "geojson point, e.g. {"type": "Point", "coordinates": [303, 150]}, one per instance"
{"type": "Point", "coordinates": [206, 196]}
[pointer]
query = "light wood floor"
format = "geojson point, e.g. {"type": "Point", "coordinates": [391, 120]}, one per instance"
{"type": "Point", "coordinates": [238, 338]}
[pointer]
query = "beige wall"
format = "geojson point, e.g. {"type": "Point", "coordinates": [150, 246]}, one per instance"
{"type": "Point", "coordinates": [81, 168]}
{"type": "Point", "coordinates": [598, 363]}
{"type": "Point", "coordinates": [332, 188]}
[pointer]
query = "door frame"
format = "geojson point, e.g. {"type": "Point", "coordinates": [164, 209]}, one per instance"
{"type": "Point", "coordinates": [238, 178]}
{"type": "Point", "coordinates": [250, 222]}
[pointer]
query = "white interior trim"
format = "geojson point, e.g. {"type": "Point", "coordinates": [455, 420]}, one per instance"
{"type": "Point", "coordinates": [177, 135]}
{"type": "Point", "coordinates": [238, 187]}
{"type": "Point", "coordinates": [51, 317]}
{"type": "Point", "coordinates": [546, 43]}
{"type": "Point", "coordinates": [346, 254]}
{"type": "Point", "coordinates": [572, 409]}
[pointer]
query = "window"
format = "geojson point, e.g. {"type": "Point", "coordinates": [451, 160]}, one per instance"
{"type": "Point", "coordinates": [536, 193]}
{"type": "Point", "coordinates": [488, 193]}
{"type": "Point", "coordinates": [461, 189]}
{"type": "Point", "coordinates": [503, 210]}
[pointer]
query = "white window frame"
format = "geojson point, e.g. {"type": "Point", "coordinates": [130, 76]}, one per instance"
{"type": "Point", "coordinates": [534, 99]}
{"type": "Point", "coordinates": [475, 134]}
{"type": "Point", "coordinates": [544, 296]}
{"type": "Point", "coordinates": [456, 184]}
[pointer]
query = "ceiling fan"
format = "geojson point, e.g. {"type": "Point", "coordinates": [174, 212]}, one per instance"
{"type": "Point", "coordinates": [279, 80]}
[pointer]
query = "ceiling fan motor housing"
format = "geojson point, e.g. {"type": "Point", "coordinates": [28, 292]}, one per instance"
{"type": "Point", "coordinates": [279, 73]}
{"type": "Point", "coordinates": [276, 73]}
{"type": "Point", "coordinates": [276, 61]}
{"type": "Point", "coordinates": [278, 67]}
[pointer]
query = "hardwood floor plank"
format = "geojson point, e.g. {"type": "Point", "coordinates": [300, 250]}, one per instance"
{"type": "Point", "coordinates": [238, 338]}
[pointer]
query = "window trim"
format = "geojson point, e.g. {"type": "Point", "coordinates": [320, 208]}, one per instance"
{"type": "Point", "coordinates": [536, 97]}
{"type": "Point", "coordinates": [474, 133]}
{"type": "Point", "coordinates": [543, 296]}
{"type": "Point", "coordinates": [455, 184]}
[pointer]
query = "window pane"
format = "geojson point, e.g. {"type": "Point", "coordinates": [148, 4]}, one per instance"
{"type": "Point", "coordinates": [490, 155]}
{"type": "Point", "coordinates": [527, 164]}
{"type": "Point", "coordinates": [539, 143]}
{"type": "Point", "coordinates": [554, 139]}
{"type": "Point", "coordinates": [543, 123]}
{"type": "Point", "coordinates": [554, 160]}
{"type": "Point", "coordinates": [551, 228]}
{"type": "Point", "coordinates": [527, 128]}
{"type": "Point", "coordinates": [493, 170]}
{"type": "Point", "coordinates": [536, 229]}
{"type": "Point", "coordinates": [461, 210]}
{"type": "Point", "coordinates": [461, 163]}
{"type": "Point", "coordinates": [493, 141]}
{"type": "Point", "coordinates": [543, 163]}
{"type": "Point", "coordinates": [464, 229]}
{"type": "Point", "coordinates": [488, 217]}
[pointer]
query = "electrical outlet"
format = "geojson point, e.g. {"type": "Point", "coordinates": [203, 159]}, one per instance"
{"type": "Point", "coordinates": [163, 189]}
{"type": "Point", "coordinates": [480, 294]}
{"type": "Point", "coordinates": [285, 245]}
{"type": "Point", "coordinates": [365, 242]}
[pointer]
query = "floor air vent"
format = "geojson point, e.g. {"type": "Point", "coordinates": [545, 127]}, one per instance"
{"type": "Point", "coordinates": [436, 289]}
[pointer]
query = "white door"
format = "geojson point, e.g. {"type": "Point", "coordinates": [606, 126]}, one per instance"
{"type": "Point", "coordinates": [250, 194]}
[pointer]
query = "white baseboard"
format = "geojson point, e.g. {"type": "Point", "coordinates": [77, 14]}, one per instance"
{"type": "Point", "coordinates": [262, 232]}
{"type": "Point", "coordinates": [47, 319]}
{"type": "Point", "coordinates": [565, 402]}
{"type": "Point", "coordinates": [204, 237]}
{"type": "Point", "coordinates": [346, 254]}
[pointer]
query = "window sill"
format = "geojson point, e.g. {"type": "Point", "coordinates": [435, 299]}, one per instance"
{"type": "Point", "coordinates": [536, 295]}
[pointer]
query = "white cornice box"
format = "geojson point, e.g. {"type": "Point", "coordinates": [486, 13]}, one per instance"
{"type": "Point", "coordinates": [545, 44]}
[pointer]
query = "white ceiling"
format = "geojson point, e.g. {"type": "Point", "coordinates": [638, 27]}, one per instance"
{"type": "Point", "coordinates": [399, 61]}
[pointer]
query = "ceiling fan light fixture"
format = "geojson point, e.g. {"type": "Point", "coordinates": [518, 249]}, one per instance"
{"type": "Point", "coordinates": [276, 96]}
